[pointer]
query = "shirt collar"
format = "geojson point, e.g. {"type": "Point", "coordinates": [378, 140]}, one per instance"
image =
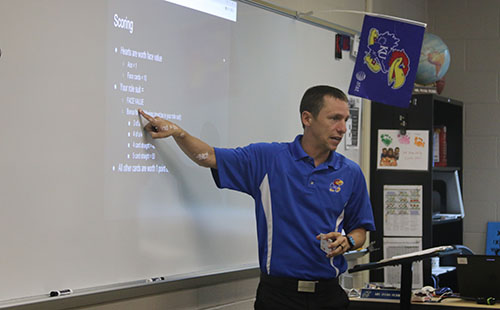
{"type": "Point", "coordinates": [298, 153]}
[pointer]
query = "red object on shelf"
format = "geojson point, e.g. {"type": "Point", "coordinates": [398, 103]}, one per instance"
{"type": "Point", "coordinates": [440, 156]}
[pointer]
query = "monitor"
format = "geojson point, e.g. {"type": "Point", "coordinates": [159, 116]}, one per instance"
{"type": "Point", "coordinates": [446, 195]}
{"type": "Point", "coordinates": [478, 276]}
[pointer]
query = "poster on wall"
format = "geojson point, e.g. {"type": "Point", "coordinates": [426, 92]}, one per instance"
{"type": "Point", "coordinates": [493, 238]}
{"type": "Point", "coordinates": [353, 124]}
{"type": "Point", "coordinates": [402, 152]}
{"type": "Point", "coordinates": [403, 210]}
{"type": "Point", "coordinates": [402, 246]}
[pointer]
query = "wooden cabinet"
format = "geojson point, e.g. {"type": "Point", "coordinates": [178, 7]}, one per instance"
{"type": "Point", "coordinates": [425, 112]}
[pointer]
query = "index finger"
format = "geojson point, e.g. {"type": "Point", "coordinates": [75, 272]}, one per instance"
{"type": "Point", "coordinates": [146, 116]}
{"type": "Point", "coordinates": [332, 235]}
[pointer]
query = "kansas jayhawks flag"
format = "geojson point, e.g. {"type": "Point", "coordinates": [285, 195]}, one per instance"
{"type": "Point", "coordinates": [387, 61]}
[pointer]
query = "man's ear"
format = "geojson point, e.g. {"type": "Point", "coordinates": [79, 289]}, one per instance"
{"type": "Point", "coordinates": [306, 118]}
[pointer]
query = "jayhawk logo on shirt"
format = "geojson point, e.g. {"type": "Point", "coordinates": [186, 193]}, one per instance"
{"type": "Point", "coordinates": [335, 185]}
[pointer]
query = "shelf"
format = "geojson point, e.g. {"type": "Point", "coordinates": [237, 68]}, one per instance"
{"type": "Point", "coordinates": [425, 113]}
{"type": "Point", "coordinates": [450, 168]}
{"type": "Point", "coordinates": [445, 221]}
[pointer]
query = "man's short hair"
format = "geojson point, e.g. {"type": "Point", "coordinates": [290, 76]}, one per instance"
{"type": "Point", "coordinates": [312, 101]}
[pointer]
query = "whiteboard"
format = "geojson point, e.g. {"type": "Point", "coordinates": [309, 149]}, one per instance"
{"type": "Point", "coordinates": [88, 200]}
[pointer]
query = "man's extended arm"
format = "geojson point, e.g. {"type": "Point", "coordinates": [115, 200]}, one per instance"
{"type": "Point", "coordinates": [197, 150]}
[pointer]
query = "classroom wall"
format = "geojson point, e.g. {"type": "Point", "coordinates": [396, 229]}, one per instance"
{"type": "Point", "coordinates": [471, 29]}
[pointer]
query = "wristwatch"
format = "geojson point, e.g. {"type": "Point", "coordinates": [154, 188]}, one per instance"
{"type": "Point", "coordinates": [351, 241]}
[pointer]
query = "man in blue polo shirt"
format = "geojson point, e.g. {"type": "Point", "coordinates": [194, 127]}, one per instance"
{"type": "Point", "coordinates": [305, 194]}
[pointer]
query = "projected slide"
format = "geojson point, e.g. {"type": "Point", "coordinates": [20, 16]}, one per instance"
{"type": "Point", "coordinates": [173, 62]}
{"type": "Point", "coordinates": [159, 64]}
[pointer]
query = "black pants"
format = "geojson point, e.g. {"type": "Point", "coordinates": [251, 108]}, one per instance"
{"type": "Point", "coordinates": [276, 293]}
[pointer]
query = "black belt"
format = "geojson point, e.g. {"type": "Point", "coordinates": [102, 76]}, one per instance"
{"type": "Point", "coordinates": [307, 286]}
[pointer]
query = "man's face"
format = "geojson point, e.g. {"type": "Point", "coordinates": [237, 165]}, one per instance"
{"type": "Point", "coordinates": [329, 126]}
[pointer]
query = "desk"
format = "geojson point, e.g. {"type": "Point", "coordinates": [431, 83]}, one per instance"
{"type": "Point", "coordinates": [406, 261]}
{"type": "Point", "coordinates": [391, 304]}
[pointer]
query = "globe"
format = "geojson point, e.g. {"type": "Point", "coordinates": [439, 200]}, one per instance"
{"type": "Point", "coordinates": [434, 60]}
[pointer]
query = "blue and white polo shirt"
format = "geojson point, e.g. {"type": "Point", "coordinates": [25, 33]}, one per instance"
{"type": "Point", "coordinates": [294, 202]}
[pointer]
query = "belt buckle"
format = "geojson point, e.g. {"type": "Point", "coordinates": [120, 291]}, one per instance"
{"type": "Point", "coordinates": [306, 286]}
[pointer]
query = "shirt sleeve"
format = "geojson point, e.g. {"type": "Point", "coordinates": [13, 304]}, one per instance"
{"type": "Point", "coordinates": [358, 212]}
{"type": "Point", "coordinates": [239, 168]}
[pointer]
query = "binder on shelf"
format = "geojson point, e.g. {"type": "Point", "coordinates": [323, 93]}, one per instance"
{"type": "Point", "coordinates": [439, 147]}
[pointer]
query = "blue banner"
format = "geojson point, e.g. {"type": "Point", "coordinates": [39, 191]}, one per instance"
{"type": "Point", "coordinates": [387, 61]}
